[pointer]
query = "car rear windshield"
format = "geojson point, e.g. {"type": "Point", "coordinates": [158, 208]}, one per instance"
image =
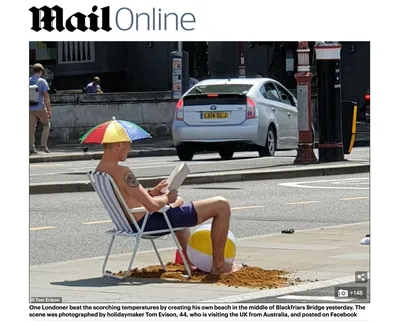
{"type": "Point", "coordinates": [221, 89]}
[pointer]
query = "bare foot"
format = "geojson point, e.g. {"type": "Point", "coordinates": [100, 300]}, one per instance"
{"type": "Point", "coordinates": [191, 266]}
{"type": "Point", "coordinates": [225, 268]}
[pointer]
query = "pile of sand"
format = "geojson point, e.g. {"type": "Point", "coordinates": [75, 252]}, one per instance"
{"type": "Point", "coordinates": [251, 277]}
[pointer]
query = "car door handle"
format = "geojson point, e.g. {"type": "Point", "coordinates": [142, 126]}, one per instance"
{"type": "Point", "coordinates": [273, 109]}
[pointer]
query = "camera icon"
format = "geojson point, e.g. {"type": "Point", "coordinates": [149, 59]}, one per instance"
{"type": "Point", "coordinates": [342, 293]}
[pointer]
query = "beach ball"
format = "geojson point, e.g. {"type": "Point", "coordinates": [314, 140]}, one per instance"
{"type": "Point", "coordinates": [199, 248]}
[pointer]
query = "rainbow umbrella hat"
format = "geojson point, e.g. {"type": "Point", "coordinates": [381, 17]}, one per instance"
{"type": "Point", "coordinates": [114, 131]}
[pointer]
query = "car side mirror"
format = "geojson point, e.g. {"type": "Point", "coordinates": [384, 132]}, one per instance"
{"type": "Point", "coordinates": [284, 97]}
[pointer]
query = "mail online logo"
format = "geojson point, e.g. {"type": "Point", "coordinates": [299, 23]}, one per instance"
{"type": "Point", "coordinates": [155, 19]}
{"type": "Point", "coordinates": [42, 18]}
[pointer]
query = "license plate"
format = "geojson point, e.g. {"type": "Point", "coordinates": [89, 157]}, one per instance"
{"type": "Point", "coordinates": [214, 115]}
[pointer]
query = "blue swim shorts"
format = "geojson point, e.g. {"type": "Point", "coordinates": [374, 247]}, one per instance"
{"type": "Point", "coordinates": [183, 216]}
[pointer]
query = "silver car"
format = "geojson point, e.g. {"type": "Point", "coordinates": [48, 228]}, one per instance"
{"type": "Point", "coordinates": [227, 115]}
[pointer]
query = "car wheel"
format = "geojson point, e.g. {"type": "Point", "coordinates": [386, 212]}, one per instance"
{"type": "Point", "coordinates": [270, 144]}
{"type": "Point", "coordinates": [226, 154]}
{"type": "Point", "coordinates": [184, 153]}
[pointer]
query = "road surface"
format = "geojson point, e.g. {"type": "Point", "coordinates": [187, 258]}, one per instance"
{"type": "Point", "coordinates": [163, 166]}
{"type": "Point", "coordinates": [71, 225]}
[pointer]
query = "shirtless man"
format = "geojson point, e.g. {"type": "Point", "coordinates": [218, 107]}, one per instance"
{"type": "Point", "coordinates": [181, 214]}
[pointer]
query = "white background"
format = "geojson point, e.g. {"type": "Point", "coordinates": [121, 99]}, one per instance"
{"type": "Point", "coordinates": [265, 20]}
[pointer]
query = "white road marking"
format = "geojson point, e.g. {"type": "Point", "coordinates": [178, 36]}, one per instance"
{"type": "Point", "coordinates": [350, 182]}
{"type": "Point", "coordinates": [96, 222]}
{"type": "Point", "coordinates": [354, 198]}
{"type": "Point", "coordinates": [304, 184]}
{"type": "Point", "coordinates": [302, 202]}
{"type": "Point", "coordinates": [42, 228]}
{"type": "Point", "coordinates": [248, 207]}
{"type": "Point", "coordinates": [314, 298]}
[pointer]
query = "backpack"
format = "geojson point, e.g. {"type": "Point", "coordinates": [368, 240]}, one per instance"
{"type": "Point", "coordinates": [34, 94]}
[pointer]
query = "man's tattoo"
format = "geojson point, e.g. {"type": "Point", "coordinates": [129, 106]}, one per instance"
{"type": "Point", "coordinates": [131, 180]}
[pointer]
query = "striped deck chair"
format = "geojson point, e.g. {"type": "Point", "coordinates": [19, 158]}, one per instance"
{"type": "Point", "coordinates": [112, 200]}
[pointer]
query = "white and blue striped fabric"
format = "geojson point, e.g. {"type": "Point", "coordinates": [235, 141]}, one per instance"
{"type": "Point", "coordinates": [104, 188]}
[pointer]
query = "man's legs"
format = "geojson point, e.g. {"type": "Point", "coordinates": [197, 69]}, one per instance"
{"type": "Point", "coordinates": [44, 119]}
{"type": "Point", "coordinates": [183, 235]}
{"type": "Point", "coordinates": [219, 209]}
{"type": "Point", "coordinates": [32, 130]}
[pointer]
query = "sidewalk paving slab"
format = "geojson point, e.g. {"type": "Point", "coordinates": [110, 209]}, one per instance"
{"type": "Point", "coordinates": [311, 255]}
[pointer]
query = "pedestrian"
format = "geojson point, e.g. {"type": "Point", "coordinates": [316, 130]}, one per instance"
{"type": "Point", "coordinates": [39, 108]}
{"type": "Point", "coordinates": [181, 214]}
{"type": "Point", "coordinates": [94, 87]}
{"type": "Point", "coordinates": [192, 81]}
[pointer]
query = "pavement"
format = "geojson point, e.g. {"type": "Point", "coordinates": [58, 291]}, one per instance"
{"type": "Point", "coordinates": [320, 257]}
{"type": "Point", "coordinates": [321, 293]}
{"type": "Point", "coordinates": [158, 146]}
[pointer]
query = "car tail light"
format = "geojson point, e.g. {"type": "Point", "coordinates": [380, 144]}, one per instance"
{"type": "Point", "coordinates": [212, 95]}
{"type": "Point", "coordinates": [367, 97]}
{"type": "Point", "coordinates": [179, 110]}
{"type": "Point", "coordinates": [251, 110]}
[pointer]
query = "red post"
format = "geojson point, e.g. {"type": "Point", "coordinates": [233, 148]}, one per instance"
{"type": "Point", "coordinates": [305, 152]}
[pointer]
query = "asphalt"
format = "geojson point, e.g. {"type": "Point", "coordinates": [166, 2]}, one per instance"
{"type": "Point", "coordinates": [219, 177]}
{"type": "Point", "coordinates": [163, 146]}
{"type": "Point", "coordinates": [327, 256]}
{"type": "Point", "coordinates": [71, 226]}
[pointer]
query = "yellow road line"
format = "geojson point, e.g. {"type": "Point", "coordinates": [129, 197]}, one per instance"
{"type": "Point", "coordinates": [96, 222]}
{"type": "Point", "coordinates": [302, 202]}
{"type": "Point", "coordinates": [355, 198]}
{"type": "Point", "coordinates": [42, 228]}
{"type": "Point", "coordinates": [248, 207]}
